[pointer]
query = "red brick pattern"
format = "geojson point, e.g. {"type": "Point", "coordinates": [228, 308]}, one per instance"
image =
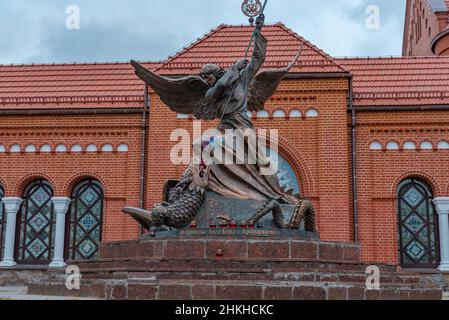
{"type": "Point", "coordinates": [118, 172]}
{"type": "Point", "coordinates": [422, 24]}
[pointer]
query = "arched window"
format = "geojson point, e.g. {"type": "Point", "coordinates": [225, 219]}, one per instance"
{"type": "Point", "coordinates": [92, 148]}
{"type": "Point", "coordinates": [375, 145]}
{"type": "Point", "coordinates": [30, 148]}
{"type": "Point", "coordinates": [279, 114]}
{"type": "Point", "coordinates": [86, 216]}
{"type": "Point", "coordinates": [409, 145]}
{"type": "Point", "coordinates": [61, 148]}
{"type": "Point", "coordinates": [77, 148]}
{"type": "Point", "coordinates": [286, 175]}
{"type": "Point", "coordinates": [15, 149]}
{"type": "Point", "coordinates": [107, 148]}
{"type": "Point", "coordinates": [46, 148]}
{"type": "Point", "coordinates": [2, 221]}
{"type": "Point", "coordinates": [36, 227]}
{"type": "Point", "coordinates": [263, 114]}
{"type": "Point", "coordinates": [426, 145]}
{"type": "Point", "coordinates": [443, 145]}
{"type": "Point", "coordinates": [312, 113]}
{"type": "Point", "coordinates": [417, 226]}
{"type": "Point", "coordinates": [392, 145]}
{"type": "Point", "coordinates": [122, 148]}
{"type": "Point", "coordinates": [295, 114]}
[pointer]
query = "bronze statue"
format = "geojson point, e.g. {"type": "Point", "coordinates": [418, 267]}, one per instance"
{"type": "Point", "coordinates": [226, 95]}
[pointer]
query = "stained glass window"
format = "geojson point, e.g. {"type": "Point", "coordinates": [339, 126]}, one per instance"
{"type": "Point", "coordinates": [418, 232]}
{"type": "Point", "coordinates": [36, 225]}
{"type": "Point", "coordinates": [2, 222]}
{"type": "Point", "coordinates": [86, 214]}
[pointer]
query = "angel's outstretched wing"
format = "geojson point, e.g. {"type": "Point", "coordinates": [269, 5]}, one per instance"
{"type": "Point", "coordinates": [183, 95]}
{"type": "Point", "coordinates": [265, 84]}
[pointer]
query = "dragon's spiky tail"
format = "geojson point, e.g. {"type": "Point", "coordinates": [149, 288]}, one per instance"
{"type": "Point", "coordinates": [304, 211]}
{"type": "Point", "coordinates": [271, 206]}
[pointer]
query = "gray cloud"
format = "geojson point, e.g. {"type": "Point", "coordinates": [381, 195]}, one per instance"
{"type": "Point", "coordinates": [35, 32]}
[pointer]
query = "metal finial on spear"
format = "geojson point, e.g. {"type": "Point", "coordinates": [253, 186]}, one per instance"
{"type": "Point", "coordinates": [251, 9]}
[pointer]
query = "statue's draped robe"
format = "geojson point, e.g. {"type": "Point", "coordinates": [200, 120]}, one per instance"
{"type": "Point", "coordinates": [229, 98]}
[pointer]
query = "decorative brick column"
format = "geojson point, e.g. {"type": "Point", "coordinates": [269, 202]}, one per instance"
{"type": "Point", "coordinates": [61, 205]}
{"type": "Point", "coordinates": [442, 206]}
{"type": "Point", "coordinates": [12, 206]}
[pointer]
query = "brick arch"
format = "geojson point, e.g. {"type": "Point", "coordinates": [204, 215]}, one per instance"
{"type": "Point", "coordinates": [40, 145]}
{"type": "Point", "coordinates": [399, 143]}
{"type": "Point", "coordinates": [416, 142]}
{"type": "Point", "coordinates": [302, 171]}
{"type": "Point", "coordinates": [283, 109]}
{"type": "Point", "coordinates": [74, 180]}
{"type": "Point", "coordinates": [425, 177]}
{"type": "Point", "coordinates": [26, 180]}
{"type": "Point", "coordinates": [382, 144]}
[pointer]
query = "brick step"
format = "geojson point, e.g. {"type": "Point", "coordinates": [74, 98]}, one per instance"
{"type": "Point", "coordinates": [258, 275]}
{"type": "Point", "coordinates": [239, 269]}
{"type": "Point", "coordinates": [235, 290]}
{"type": "Point", "coordinates": [21, 293]}
{"type": "Point", "coordinates": [224, 265]}
{"type": "Point", "coordinates": [233, 249]}
{"type": "Point", "coordinates": [14, 278]}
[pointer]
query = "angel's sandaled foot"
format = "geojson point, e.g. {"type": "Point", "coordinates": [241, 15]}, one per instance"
{"type": "Point", "coordinates": [143, 217]}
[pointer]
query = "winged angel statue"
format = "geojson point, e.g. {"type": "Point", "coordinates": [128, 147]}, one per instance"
{"type": "Point", "coordinates": [226, 95]}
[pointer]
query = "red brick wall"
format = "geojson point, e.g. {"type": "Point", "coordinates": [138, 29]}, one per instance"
{"type": "Point", "coordinates": [380, 172]}
{"type": "Point", "coordinates": [118, 172]}
{"type": "Point", "coordinates": [421, 26]}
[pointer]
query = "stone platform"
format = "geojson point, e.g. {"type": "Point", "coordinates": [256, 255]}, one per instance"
{"type": "Point", "coordinates": [220, 268]}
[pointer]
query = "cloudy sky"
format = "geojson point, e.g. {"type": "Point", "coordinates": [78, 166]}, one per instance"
{"type": "Point", "coordinates": [118, 30]}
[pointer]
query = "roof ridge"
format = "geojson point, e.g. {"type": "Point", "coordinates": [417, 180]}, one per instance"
{"type": "Point", "coordinates": [66, 64]}
{"type": "Point", "coordinates": [311, 45]}
{"type": "Point", "coordinates": [392, 58]}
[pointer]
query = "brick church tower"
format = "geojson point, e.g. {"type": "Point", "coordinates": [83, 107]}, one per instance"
{"type": "Point", "coordinates": [426, 30]}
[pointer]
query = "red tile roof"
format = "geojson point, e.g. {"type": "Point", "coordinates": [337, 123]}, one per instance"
{"type": "Point", "coordinates": [404, 81]}
{"type": "Point", "coordinates": [377, 81]}
{"type": "Point", "coordinates": [65, 86]}
{"type": "Point", "coordinates": [226, 44]}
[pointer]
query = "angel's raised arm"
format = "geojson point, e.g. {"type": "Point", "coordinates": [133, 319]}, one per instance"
{"type": "Point", "coordinates": [258, 58]}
